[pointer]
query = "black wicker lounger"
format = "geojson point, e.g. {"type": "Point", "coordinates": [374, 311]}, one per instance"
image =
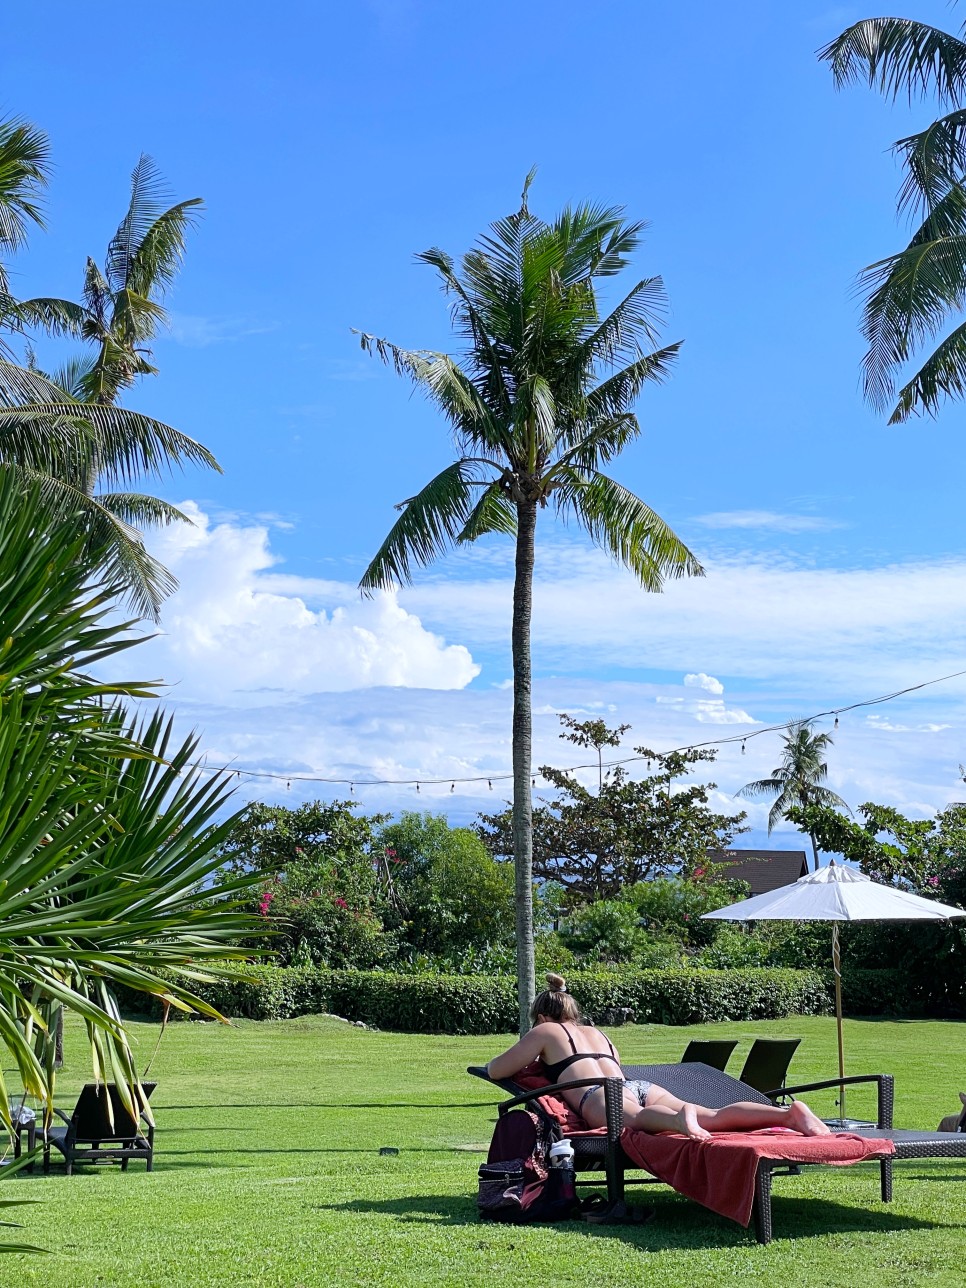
{"type": "Point", "coordinates": [701, 1084]}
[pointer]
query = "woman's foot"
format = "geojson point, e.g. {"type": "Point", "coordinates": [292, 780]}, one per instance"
{"type": "Point", "coordinates": [688, 1123]}
{"type": "Point", "coordinates": [801, 1118]}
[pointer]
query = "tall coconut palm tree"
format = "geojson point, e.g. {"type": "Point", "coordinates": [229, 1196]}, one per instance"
{"type": "Point", "coordinates": [913, 296]}
{"type": "Point", "coordinates": [799, 779]}
{"type": "Point", "coordinates": [66, 431]}
{"type": "Point", "coordinates": [538, 401]}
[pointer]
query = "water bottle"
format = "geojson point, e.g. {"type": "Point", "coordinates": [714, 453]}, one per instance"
{"type": "Point", "coordinates": [562, 1161]}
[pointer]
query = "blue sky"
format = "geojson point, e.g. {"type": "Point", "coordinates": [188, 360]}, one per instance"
{"type": "Point", "coordinates": [332, 142]}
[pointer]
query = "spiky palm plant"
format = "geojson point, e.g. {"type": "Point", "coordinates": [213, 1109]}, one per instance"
{"type": "Point", "coordinates": [913, 296]}
{"type": "Point", "coordinates": [799, 781]}
{"type": "Point", "coordinates": [539, 401]}
{"type": "Point", "coordinates": [109, 866]}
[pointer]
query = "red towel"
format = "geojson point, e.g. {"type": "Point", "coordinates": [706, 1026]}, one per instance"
{"type": "Point", "coordinates": [720, 1172]}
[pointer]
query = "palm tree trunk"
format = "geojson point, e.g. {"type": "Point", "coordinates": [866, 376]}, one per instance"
{"type": "Point", "coordinates": [811, 837]}
{"type": "Point", "coordinates": [522, 751]}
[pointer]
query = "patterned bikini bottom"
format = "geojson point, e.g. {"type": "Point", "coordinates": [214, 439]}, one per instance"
{"type": "Point", "coordinates": [636, 1087]}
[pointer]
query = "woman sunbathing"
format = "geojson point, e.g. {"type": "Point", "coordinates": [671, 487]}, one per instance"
{"type": "Point", "coordinates": [562, 1043]}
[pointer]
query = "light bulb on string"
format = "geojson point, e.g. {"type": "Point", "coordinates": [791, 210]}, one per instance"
{"type": "Point", "coordinates": [288, 785]}
{"type": "Point", "coordinates": [742, 746]}
{"type": "Point", "coordinates": [836, 725]}
{"type": "Point", "coordinates": [489, 784]}
{"type": "Point", "coordinates": [452, 787]}
{"type": "Point", "coordinates": [417, 787]}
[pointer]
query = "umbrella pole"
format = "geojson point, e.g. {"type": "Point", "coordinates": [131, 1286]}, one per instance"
{"type": "Point", "coordinates": [837, 967]}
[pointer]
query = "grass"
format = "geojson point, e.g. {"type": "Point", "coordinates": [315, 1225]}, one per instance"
{"type": "Point", "coordinates": [268, 1173]}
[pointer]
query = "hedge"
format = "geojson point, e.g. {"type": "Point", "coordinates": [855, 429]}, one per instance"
{"type": "Point", "coordinates": [488, 1004]}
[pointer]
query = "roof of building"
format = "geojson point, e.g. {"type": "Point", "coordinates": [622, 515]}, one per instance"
{"type": "Point", "coordinates": [763, 869]}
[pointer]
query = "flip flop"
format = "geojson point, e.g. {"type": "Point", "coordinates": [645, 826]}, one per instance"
{"type": "Point", "coordinates": [599, 1212]}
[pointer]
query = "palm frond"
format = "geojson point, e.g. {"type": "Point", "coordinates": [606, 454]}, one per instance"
{"type": "Point", "coordinates": [140, 510]}
{"type": "Point", "coordinates": [632, 324]}
{"type": "Point", "coordinates": [600, 443]}
{"type": "Point", "coordinates": [935, 161]}
{"type": "Point", "coordinates": [909, 298]}
{"type": "Point", "coordinates": [157, 259]}
{"type": "Point", "coordinates": [149, 197]}
{"type": "Point", "coordinates": [24, 171]}
{"type": "Point", "coordinates": [56, 317]}
{"type": "Point", "coordinates": [494, 512]}
{"type": "Point", "coordinates": [627, 527]}
{"type": "Point", "coordinates": [942, 375]}
{"type": "Point", "coordinates": [429, 522]}
{"type": "Point", "coordinates": [613, 395]}
{"type": "Point", "coordinates": [899, 56]}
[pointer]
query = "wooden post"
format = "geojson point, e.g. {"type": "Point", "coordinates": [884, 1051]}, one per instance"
{"type": "Point", "coordinates": [837, 967]}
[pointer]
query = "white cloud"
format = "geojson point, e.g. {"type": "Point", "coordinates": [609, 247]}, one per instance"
{"type": "Point", "coordinates": [199, 332]}
{"type": "Point", "coordinates": [767, 520]}
{"type": "Point", "coordinates": [702, 681]}
{"type": "Point", "coordinates": [812, 635]}
{"type": "Point", "coordinates": [232, 630]}
{"type": "Point", "coordinates": [296, 675]}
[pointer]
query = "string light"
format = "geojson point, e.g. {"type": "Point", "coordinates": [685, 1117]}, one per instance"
{"type": "Point", "coordinates": [611, 764]}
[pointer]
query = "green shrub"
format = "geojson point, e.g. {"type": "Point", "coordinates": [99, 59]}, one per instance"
{"type": "Point", "coordinates": [463, 1004]}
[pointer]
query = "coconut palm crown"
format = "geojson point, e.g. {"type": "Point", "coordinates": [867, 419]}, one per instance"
{"type": "Point", "coordinates": [800, 778]}
{"type": "Point", "coordinates": [539, 401]}
{"type": "Point", "coordinates": [913, 296]}
{"type": "Point", "coordinates": [66, 431]}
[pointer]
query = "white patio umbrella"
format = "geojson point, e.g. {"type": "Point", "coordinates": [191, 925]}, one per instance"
{"type": "Point", "coordinates": [836, 893]}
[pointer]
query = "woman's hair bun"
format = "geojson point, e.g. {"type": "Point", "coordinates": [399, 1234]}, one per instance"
{"type": "Point", "coordinates": [556, 982]}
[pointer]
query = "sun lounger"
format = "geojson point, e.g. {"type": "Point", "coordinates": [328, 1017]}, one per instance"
{"type": "Point", "coordinates": [603, 1149]}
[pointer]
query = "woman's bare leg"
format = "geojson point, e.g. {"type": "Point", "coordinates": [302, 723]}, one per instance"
{"type": "Point", "coordinates": [665, 1112]}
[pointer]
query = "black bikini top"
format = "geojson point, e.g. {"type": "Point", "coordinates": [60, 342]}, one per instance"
{"type": "Point", "coordinates": [553, 1071]}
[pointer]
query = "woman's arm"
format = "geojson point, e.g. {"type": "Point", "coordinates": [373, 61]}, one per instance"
{"type": "Point", "coordinates": [518, 1057]}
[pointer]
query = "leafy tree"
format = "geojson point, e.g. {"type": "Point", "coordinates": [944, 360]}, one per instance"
{"type": "Point", "coordinates": [925, 855]}
{"type": "Point", "coordinates": [451, 896]}
{"type": "Point", "coordinates": [67, 432]}
{"type": "Point", "coordinates": [319, 893]}
{"type": "Point", "coordinates": [109, 863]}
{"type": "Point", "coordinates": [539, 402]}
{"type": "Point", "coordinates": [596, 844]}
{"type": "Point", "coordinates": [799, 781]}
{"type": "Point", "coordinates": [913, 295]}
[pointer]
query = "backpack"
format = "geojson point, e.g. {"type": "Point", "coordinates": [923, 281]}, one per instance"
{"type": "Point", "coordinates": [516, 1183]}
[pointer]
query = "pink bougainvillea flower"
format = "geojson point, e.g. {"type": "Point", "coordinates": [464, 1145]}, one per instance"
{"type": "Point", "coordinates": [933, 881]}
{"type": "Point", "coordinates": [340, 903]}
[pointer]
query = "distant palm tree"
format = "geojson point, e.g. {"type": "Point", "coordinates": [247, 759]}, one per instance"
{"type": "Point", "coordinates": [912, 295]}
{"type": "Point", "coordinates": [66, 431]}
{"type": "Point", "coordinates": [799, 779]}
{"type": "Point", "coordinates": [540, 399]}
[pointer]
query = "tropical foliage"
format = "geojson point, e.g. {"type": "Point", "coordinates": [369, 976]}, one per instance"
{"type": "Point", "coordinates": [800, 778]}
{"type": "Point", "coordinates": [916, 295]}
{"type": "Point", "coordinates": [65, 431]}
{"type": "Point", "coordinates": [598, 843]}
{"type": "Point", "coordinates": [539, 401]}
{"type": "Point", "coordinates": [109, 862]}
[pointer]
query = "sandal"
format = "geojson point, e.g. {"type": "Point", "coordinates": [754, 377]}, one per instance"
{"type": "Point", "coordinates": [597, 1211]}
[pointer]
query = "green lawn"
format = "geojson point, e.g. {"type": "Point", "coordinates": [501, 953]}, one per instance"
{"type": "Point", "coordinates": [268, 1173]}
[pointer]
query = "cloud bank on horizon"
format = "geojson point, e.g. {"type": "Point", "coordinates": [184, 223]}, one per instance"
{"type": "Point", "coordinates": [302, 676]}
